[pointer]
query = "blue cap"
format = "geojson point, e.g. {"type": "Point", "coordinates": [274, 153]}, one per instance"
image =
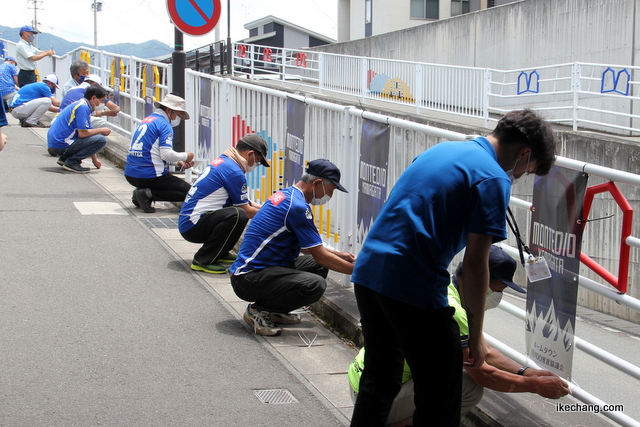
{"type": "Point", "coordinates": [323, 168]}
{"type": "Point", "coordinates": [502, 267]}
{"type": "Point", "coordinates": [10, 58]}
{"type": "Point", "coordinates": [28, 28]}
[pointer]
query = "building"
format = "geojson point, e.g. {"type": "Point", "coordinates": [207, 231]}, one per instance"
{"type": "Point", "coordinates": [275, 32]}
{"type": "Point", "coordinates": [365, 18]}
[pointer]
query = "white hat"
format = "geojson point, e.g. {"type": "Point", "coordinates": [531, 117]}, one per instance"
{"type": "Point", "coordinates": [51, 78]}
{"type": "Point", "coordinates": [176, 103]}
{"type": "Point", "coordinates": [94, 78]}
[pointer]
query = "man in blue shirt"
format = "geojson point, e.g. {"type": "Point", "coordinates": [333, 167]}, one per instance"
{"type": "Point", "coordinates": [217, 209]}
{"type": "Point", "coordinates": [32, 101]}
{"type": "Point", "coordinates": [269, 270]}
{"type": "Point", "coordinates": [8, 79]}
{"type": "Point", "coordinates": [71, 136]}
{"type": "Point", "coordinates": [150, 153]}
{"type": "Point", "coordinates": [453, 195]}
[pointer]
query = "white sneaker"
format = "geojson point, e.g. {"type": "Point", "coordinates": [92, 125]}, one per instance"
{"type": "Point", "coordinates": [261, 322]}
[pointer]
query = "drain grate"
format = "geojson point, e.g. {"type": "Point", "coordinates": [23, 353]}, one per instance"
{"type": "Point", "coordinates": [170, 223]}
{"type": "Point", "coordinates": [275, 396]}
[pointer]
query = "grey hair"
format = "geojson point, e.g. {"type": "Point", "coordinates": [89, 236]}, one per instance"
{"type": "Point", "coordinates": [76, 66]}
{"type": "Point", "coordinates": [308, 178]}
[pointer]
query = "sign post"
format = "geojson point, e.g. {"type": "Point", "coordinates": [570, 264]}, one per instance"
{"type": "Point", "coordinates": [195, 18]}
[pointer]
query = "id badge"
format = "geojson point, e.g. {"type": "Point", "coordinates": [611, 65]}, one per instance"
{"type": "Point", "coordinates": [537, 269]}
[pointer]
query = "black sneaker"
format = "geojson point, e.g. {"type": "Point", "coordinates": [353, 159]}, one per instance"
{"type": "Point", "coordinates": [229, 258]}
{"type": "Point", "coordinates": [143, 200]}
{"type": "Point", "coordinates": [261, 322]}
{"type": "Point", "coordinates": [61, 161]}
{"type": "Point", "coordinates": [75, 167]}
{"type": "Point", "coordinates": [134, 200]}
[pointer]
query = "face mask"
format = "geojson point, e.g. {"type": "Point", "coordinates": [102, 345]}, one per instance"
{"type": "Point", "coordinates": [81, 78]}
{"type": "Point", "coordinates": [493, 299]}
{"type": "Point", "coordinates": [175, 122]}
{"type": "Point", "coordinates": [510, 171]}
{"type": "Point", "coordinates": [31, 38]}
{"type": "Point", "coordinates": [321, 201]}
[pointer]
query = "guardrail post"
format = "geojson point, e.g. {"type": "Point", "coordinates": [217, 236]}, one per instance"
{"type": "Point", "coordinates": [485, 96]}
{"type": "Point", "coordinates": [320, 72]}
{"type": "Point", "coordinates": [575, 88]}
{"type": "Point", "coordinates": [284, 64]}
{"type": "Point", "coordinates": [364, 68]}
{"type": "Point", "coordinates": [418, 91]}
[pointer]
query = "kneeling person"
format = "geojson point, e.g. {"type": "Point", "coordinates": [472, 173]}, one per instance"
{"type": "Point", "coordinates": [217, 209]}
{"type": "Point", "coordinates": [71, 136]}
{"type": "Point", "coordinates": [269, 270]}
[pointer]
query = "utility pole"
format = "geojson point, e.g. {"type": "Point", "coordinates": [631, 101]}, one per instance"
{"type": "Point", "coordinates": [96, 6]}
{"type": "Point", "coordinates": [35, 22]}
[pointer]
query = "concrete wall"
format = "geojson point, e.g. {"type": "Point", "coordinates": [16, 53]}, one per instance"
{"type": "Point", "coordinates": [516, 35]}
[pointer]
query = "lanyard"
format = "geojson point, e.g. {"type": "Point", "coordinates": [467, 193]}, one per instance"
{"type": "Point", "coordinates": [516, 231]}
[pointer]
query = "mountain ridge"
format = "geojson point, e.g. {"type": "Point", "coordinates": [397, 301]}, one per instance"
{"type": "Point", "coordinates": [145, 50]}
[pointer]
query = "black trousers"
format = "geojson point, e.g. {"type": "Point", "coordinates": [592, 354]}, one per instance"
{"type": "Point", "coordinates": [430, 342]}
{"type": "Point", "coordinates": [283, 289]}
{"type": "Point", "coordinates": [167, 187]}
{"type": "Point", "coordinates": [219, 231]}
{"type": "Point", "coordinates": [26, 77]}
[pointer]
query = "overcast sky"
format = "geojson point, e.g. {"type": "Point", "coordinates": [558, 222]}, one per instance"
{"type": "Point", "coordinates": [122, 21]}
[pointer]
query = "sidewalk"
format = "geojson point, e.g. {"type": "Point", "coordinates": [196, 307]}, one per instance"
{"type": "Point", "coordinates": [322, 366]}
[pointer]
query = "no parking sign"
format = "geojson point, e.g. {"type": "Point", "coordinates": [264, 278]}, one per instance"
{"type": "Point", "coordinates": [194, 17]}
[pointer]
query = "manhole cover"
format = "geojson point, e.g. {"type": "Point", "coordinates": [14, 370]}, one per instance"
{"type": "Point", "coordinates": [275, 396]}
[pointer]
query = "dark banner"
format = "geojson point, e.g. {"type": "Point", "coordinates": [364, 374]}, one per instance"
{"type": "Point", "coordinates": [203, 150]}
{"type": "Point", "coordinates": [294, 149]}
{"type": "Point", "coordinates": [372, 175]}
{"type": "Point", "coordinates": [556, 236]}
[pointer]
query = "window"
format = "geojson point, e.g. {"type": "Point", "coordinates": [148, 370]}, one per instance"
{"type": "Point", "coordinates": [424, 9]}
{"type": "Point", "coordinates": [458, 7]}
{"type": "Point", "coordinates": [368, 20]}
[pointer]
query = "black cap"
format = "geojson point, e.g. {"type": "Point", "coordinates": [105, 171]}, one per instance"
{"type": "Point", "coordinates": [502, 267]}
{"type": "Point", "coordinates": [327, 170]}
{"type": "Point", "coordinates": [257, 143]}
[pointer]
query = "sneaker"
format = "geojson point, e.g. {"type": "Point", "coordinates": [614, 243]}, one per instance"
{"type": "Point", "coordinates": [286, 318]}
{"type": "Point", "coordinates": [214, 268]}
{"type": "Point", "coordinates": [144, 200]}
{"type": "Point", "coordinates": [61, 161]}
{"type": "Point", "coordinates": [261, 322]}
{"type": "Point", "coordinates": [228, 258]}
{"type": "Point", "coordinates": [75, 167]}
{"type": "Point", "coordinates": [26, 124]}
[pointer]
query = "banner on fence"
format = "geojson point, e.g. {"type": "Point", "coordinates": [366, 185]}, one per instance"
{"type": "Point", "coordinates": [555, 235]}
{"type": "Point", "coordinates": [294, 150]}
{"type": "Point", "coordinates": [203, 150]}
{"type": "Point", "coordinates": [372, 175]}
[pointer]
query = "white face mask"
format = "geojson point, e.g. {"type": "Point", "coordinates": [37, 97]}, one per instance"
{"type": "Point", "coordinates": [175, 122]}
{"type": "Point", "coordinates": [321, 201]}
{"type": "Point", "coordinates": [493, 299]}
{"type": "Point", "coordinates": [510, 171]}
{"type": "Point", "coordinates": [31, 38]}
{"type": "Point", "coordinates": [251, 168]}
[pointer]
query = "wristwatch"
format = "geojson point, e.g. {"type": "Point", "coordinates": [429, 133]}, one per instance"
{"type": "Point", "coordinates": [521, 370]}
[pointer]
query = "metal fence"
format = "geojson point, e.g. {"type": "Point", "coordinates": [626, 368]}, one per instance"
{"type": "Point", "coordinates": [589, 96]}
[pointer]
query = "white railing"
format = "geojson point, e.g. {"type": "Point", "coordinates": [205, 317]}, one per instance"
{"type": "Point", "coordinates": [581, 95]}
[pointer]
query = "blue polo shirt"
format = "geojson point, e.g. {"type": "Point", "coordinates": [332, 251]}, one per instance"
{"type": "Point", "coordinates": [3, 115]}
{"type": "Point", "coordinates": [449, 191]}
{"type": "Point", "coordinates": [64, 129]}
{"type": "Point", "coordinates": [283, 225]}
{"type": "Point", "coordinates": [220, 185]}
{"type": "Point", "coordinates": [30, 92]}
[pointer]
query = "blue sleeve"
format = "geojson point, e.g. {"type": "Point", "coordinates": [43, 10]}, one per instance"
{"type": "Point", "coordinates": [3, 115]}
{"type": "Point", "coordinates": [166, 135]}
{"type": "Point", "coordinates": [83, 118]}
{"type": "Point", "coordinates": [301, 223]}
{"type": "Point", "coordinates": [489, 211]}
